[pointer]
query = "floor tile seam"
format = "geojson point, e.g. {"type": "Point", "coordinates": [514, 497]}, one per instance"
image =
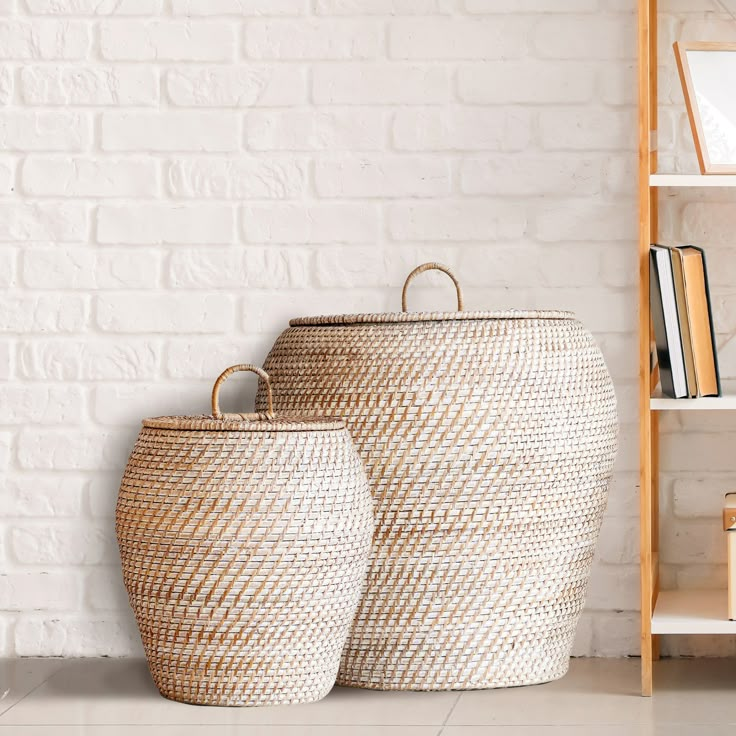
{"type": "Point", "coordinates": [30, 692]}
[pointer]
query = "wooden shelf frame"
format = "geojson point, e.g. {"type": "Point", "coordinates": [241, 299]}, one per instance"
{"type": "Point", "coordinates": [671, 612]}
{"type": "Point", "coordinates": [648, 419]}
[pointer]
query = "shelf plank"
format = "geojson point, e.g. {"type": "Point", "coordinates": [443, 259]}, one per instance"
{"type": "Point", "coordinates": [692, 180]}
{"type": "Point", "coordinates": [692, 612]}
{"type": "Point", "coordinates": [708, 403]}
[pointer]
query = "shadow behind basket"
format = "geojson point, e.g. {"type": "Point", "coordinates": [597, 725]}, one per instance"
{"type": "Point", "coordinates": [489, 440]}
{"type": "Point", "coordinates": [244, 541]}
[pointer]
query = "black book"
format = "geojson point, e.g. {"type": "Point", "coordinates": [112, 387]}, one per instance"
{"type": "Point", "coordinates": [666, 323]}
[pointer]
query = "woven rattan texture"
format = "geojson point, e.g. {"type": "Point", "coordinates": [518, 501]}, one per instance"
{"type": "Point", "coordinates": [244, 554]}
{"type": "Point", "coordinates": [489, 444]}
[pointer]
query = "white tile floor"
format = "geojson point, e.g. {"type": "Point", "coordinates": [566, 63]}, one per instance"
{"type": "Point", "coordinates": [597, 698]}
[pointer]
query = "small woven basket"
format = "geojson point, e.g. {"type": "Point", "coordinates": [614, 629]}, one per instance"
{"type": "Point", "coordinates": [489, 440]}
{"type": "Point", "coordinates": [244, 541]}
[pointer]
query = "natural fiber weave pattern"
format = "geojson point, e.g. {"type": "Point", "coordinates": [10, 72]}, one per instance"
{"type": "Point", "coordinates": [489, 443]}
{"type": "Point", "coordinates": [244, 550]}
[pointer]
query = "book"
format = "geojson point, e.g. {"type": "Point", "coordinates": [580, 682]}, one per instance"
{"type": "Point", "coordinates": [700, 321]}
{"type": "Point", "coordinates": [683, 320]}
{"type": "Point", "coordinates": [666, 323]}
{"type": "Point", "coordinates": [729, 526]}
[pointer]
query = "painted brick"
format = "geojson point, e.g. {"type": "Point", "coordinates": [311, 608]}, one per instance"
{"type": "Point", "coordinates": [76, 637]}
{"type": "Point", "coordinates": [93, 7]}
{"type": "Point", "coordinates": [102, 493]}
{"type": "Point", "coordinates": [42, 404]}
{"type": "Point", "coordinates": [309, 130]}
{"type": "Point", "coordinates": [712, 222]}
{"type": "Point", "coordinates": [380, 84]}
{"type": "Point", "coordinates": [91, 360]}
{"type": "Point", "coordinates": [529, 6]}
{"type": "Point", "coordinates": [461, 221]}
{"type": "Point", "coordinates": [462, 129]}
{"type": "Point", "coordinates": [382, 177]}
{"type": "Point", "coordinates": [364, 267]}
{"type": "Point", "coordinates": [382, 7]}
{"type": "Point", "coordinates": [60, 449]}
{"type": "Point", "coordinates": [170, 131]}
{"type": "Point", "coordinates": [458, 38]}
{"type": "Point", "coordinates": [90, 268]}
{"type": "Point", "coordinates": [89, 177]}
{"type": "Point", "coordinates": [320, 39]}
{"type": "Point", "coordinates": [241, 86]}
{"type": "Point", "coordinates": [43, 221]}
{"type": "Point", "coordinates": [26, 313]}
{"type": "Point", "coordinates": [586, 129]}
{"type": "Point", "coordinates": [587, 221]}
{"type": "Point", "coordinates": [164, 313]}
{"type": "Point", "coordinates": [104, 590]}
{"type": "Point", "coordinates": [162, 223]}
{"type": "Point", "coordinates": [619, 543]}
{"type": "Point", "coordinates": [166, 41]}
{"type": "Point", "coordinates": [242, 178]}
{"type": "Point", "coordinates": [8, 261]}
{"type": "Point", "coordinates": [614, 587]}
{"type": "Point", "coordinates": [268, 312]}
{"type": "Point", "coordinates": [699, 497]}
{"type": "Point", "coordinates": [251, 267]}
{"type": "Point", "coordinates": [7, 176]}
{"type": "Point", "coordinates": [581, 37]}
{"type": "Point", "coordinates": [100, 86]}
{"type": "Point", "coordinates": [530, 81]}
{"type": "Point", "coordinates": [124, 404]}
{"type": "Point", "coordinates": [7, 85]}
{"type": "Point", "coordinates": [7, 360]}
{"type": "Point", "coordinates": [43, 39]}
{"type": "Point", "coordinates": [39, 591]}
{"type": "Point", "coordinates": [313, 223]}
{"type": "Point", "coordinates": [529, 175]}
{"type": "Point", "coordinates": [23, 130]}
{"type": "Point", "coordinates": [238, 7]}
{"type": "Point", "coordinates": [42, 496]}
{"type": "Point", "coordinates": [6, 443]}
{"type": "Point", "coordinates": [205, 359]}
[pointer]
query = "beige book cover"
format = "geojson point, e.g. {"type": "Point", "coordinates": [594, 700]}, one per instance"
{"type": "Point", "coordinates": [699, 321]}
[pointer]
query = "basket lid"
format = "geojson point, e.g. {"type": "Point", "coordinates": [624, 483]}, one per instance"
{"type": "Point", "coordinates": [261, 422]}
{"type": "Point", "coordinates": [387, 317]}
{"type": "Point", "coordinates": [406, 316]}
{"type": "Point", "coordinates": [267, 421]}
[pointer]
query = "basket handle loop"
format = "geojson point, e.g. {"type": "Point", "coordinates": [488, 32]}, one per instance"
{"type": "Point", "coordinates": [216, 413]}
{"type": "Point", "coordinates": [431, 267]}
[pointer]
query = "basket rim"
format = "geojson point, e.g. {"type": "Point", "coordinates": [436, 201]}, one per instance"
{"type": "Point", "coordinates": [402, 317]}
{"type": "Point", "coordinates": [257, 422]}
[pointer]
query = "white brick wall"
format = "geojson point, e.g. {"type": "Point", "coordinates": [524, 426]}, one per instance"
{"type": "Point", "coordinates": [179, 177]}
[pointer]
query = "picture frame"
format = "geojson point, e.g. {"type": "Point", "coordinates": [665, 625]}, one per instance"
{"type": "Point", "coordinates": [707, 71]}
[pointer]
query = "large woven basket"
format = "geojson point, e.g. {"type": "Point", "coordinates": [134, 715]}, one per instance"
{"type": "Point", "coordinates": [489, 440]}
{"type": "Point", "coordinates": [244, 541]}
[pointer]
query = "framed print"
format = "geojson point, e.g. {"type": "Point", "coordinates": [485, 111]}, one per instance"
{"type": "Point", "coordinates": [708, 75]}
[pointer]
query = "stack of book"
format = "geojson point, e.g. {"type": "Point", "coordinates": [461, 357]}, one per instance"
{"type": "Point", "coordinates": [683, 322]}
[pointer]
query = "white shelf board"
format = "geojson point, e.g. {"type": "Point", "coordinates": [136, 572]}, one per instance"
{"type": "Point", "coordinates": [707, 403]}
{"type": "Point", "coordinates": [692, 612]}
{"type": "Point", "coordinates": [692, 180]}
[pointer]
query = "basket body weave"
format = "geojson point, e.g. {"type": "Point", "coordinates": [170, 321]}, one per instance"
{"type": "Point", "coordinates": [244, 549]}
{"type": "Point", "coordinates": [489, 441]}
